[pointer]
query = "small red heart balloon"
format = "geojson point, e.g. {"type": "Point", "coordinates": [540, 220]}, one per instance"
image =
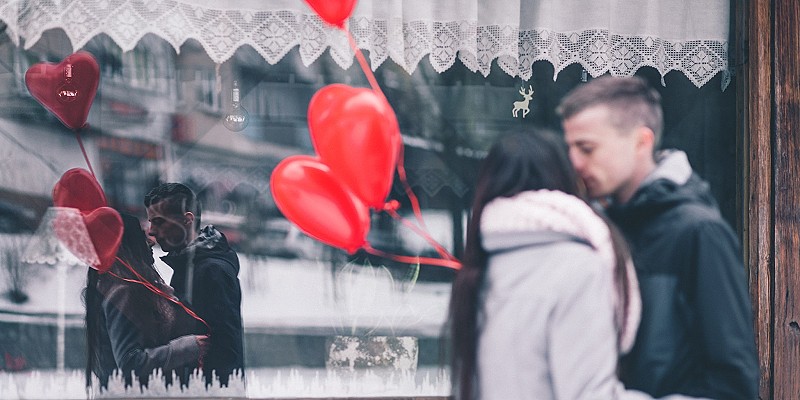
{"type": "Point", "coordinates": [105, 229]}
{"type": "Point", "coordinates": [334, 12]}
{"type": "Point", "coordinates": [315, 200]}
{"type": "Point", "coordinates": [66, 89]}
{"type": "Point", "coordinates": [78, 188]}
{"type": "Point", "coordinates": [93, 237]}
{"type": "Point", "coordinates": [355, 132]}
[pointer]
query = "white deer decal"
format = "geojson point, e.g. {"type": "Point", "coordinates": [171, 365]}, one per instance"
{"type": "Point", "coordinates": [523, 105]}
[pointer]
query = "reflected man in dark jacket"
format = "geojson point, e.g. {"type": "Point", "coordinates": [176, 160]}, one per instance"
{"type": "Point", "coordinates": [205, 274]}
{"type": "Point", "coordinates": [696, 334]}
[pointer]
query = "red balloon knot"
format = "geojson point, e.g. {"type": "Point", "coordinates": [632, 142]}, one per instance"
{"type": "Point", "coordinates": [391, 205]}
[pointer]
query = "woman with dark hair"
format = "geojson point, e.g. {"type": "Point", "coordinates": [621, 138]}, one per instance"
{"type": "Point", "coordinates": [547, 299]}
{"type": "Point", "coordinates": [133, 323]}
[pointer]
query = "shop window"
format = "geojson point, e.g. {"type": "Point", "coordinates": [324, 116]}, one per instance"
{"type": "Point", "coordinates": [298, 293]}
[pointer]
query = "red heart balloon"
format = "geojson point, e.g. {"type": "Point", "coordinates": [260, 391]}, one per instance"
{"type": "Point", "coordinates": [105, 229]}
{"type": "Point", "coordinates": [67, 89]}
{"type": "Point", "coordinates": [355, 132]}
{"type": "Point", "coordinates": [78, 188]}
{"type": "Point", "coordinates": [315, 200]}
{"type": "Point", "coordinates": [93, 237]}
{"type": "Point", "coordinates": [334, 12]}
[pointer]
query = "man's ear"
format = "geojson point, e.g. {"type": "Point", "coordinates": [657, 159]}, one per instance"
{"type": "Point", "coordinates": [188, 218]}
{"type": "Point", "coordinates": [646, 139]}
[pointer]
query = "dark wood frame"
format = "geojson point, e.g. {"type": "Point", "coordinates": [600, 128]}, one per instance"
{"type": "Point", "coordinates": [769, 102]}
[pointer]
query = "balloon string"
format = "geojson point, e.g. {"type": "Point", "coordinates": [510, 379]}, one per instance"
{"type": "Point", "coordinates": [451, 261]}
{"type": "Point", "coordinates": [454, 264]}
{"type": "Point", "coordinates": [401, 172]}
{"type": "Point", "coordinates": [422, 230]}
{"type": "Point", "coordinates": [364, 66]}
{"type": "Point", "coordinates": [425, 235]}
{"type": "Point", "coordinates": [153, 288]}
{"type": "Point", "coordinates": [83, 150]}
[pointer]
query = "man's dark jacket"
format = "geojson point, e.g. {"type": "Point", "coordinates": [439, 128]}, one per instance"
{"type": "Point", "coordinates": [696, 333]}
{"type": "Point", "coordinates": [215, 296]}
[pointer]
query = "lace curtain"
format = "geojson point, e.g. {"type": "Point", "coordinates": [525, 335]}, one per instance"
{"type": "Point", "coordinates": [604, 36]}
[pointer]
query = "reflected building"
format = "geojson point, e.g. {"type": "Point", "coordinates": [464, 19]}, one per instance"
{"type": "Point", "coordinates": [158, 117]}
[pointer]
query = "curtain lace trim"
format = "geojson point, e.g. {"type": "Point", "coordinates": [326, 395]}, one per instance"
{"type": "Point", "coordinates": [274, 33]}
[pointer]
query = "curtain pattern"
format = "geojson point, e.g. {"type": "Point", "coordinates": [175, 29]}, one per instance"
{"type": "Point", "coordinates": [610, 36]}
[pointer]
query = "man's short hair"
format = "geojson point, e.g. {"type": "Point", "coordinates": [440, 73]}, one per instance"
{"type": "Point", "coordinates": [178, 199]}
{"type": "Point", "coordinates": [630, 100]}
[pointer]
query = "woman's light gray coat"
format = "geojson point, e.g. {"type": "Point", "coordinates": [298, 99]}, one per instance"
{"type": "Point", "coordinates": [547, 324]}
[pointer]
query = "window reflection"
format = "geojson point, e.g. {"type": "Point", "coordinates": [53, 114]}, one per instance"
{"type": "Point", "coordinates": [158, 117]}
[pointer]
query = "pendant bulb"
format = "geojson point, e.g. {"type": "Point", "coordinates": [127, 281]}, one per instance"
{"type": "Point", "coordinates": [237, 118]}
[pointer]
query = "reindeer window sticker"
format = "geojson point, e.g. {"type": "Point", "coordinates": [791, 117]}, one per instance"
{"type": "Point", "coordinates": [523, 105]}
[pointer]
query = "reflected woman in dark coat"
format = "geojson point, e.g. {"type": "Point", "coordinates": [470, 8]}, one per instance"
{"type": "Point", "coordinates": [133, 323]}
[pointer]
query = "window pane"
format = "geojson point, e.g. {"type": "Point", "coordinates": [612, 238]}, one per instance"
{"type": "Point", "coordinates": [158, 117]}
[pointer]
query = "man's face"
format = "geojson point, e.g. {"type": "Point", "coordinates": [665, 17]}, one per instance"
{"type": "Point", "coordinates": [603, 156]}
{"type": "Point", "coordinates": [171, 231]}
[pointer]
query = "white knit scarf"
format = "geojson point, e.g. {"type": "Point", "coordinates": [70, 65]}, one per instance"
{"type": "Point", "coordinates": [556, 211]}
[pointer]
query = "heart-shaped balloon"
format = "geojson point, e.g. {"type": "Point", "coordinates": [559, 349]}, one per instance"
{"type": "Point", "coordinates": [105, 229]}
{"type": "Point", "coordinates": [95, 242]}
{"type": "Point", "coordinates": [334, 12]}
{"type": "Point", "coordinates": [78, 188]}
{"type": "Point", "coordinates": [355, 132]}
{"type": "Point", "coordinates": [315, 200]}
{"type": "Point", "coordinates": [67, 89]}
{"type": "Point", "coordinates": [93, 237]}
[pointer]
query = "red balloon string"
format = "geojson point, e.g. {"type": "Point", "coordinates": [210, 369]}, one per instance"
{"type": "Point", "coordinates": [422, 232]}
{"type": "Point", "coordinates": [454, 264]}
{"type": "Point", "coordinates": [449, 261]}
{"type": "Point", "coordinates": [153, 288]}
{"type": "Point", "coordinates": [364, 66]}
{"type": "Point", "coordinates": [422, 229]}
{"type": "Point", "coordinates": [401, 172]}
{"type": "Point", "coordinates": [83, 150]}
{"type": "Point", "coordinates": [400, 168]}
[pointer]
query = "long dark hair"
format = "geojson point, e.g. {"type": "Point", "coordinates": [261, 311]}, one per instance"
{"type": "Point", "coordinates": [516, 163]}
{"type": "Point", "coordinates": [135, 251]}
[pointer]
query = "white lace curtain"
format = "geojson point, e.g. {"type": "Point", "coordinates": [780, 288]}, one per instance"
{"type": "Point", "coordinates": [604, 36]}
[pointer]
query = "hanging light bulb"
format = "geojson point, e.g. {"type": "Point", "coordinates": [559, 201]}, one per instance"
{"type": "Point", "coordinates": [237, 117]}
{"type": "Point", "coordinates": [67, 92]}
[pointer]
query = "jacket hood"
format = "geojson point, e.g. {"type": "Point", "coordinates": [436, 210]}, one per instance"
{"type": "Point", "coordinates": [542, 217]}
{"type": "Point", "coordinates": [672, 182]}
{"type": "Point", "coordinates": [498, 242]}
{"type": "Point", "coordinates": [210, 243]}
